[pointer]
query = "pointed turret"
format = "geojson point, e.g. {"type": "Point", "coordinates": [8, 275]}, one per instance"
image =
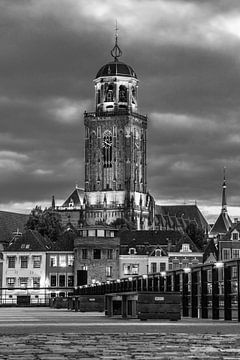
{"type": "Point", "coordinates": [223, 222]}
{"type": "Point", "coordinates": [224, 198]}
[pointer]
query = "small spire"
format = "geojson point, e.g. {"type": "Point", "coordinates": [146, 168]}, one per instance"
{"type": "Point", "coordinates": [116, 52]}
{"type": "Point", "coordinates": [53, 202]}
{"type": "Point", "coordinates": [224, 186]}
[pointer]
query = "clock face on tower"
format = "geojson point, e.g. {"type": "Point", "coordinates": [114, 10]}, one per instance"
{"type": "Point", "coordinates": [107, 143]}
{"type": "Point", "coordinates": [107, 139]}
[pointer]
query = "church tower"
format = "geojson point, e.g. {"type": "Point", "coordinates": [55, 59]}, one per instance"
{"type": "Point", "coordinates": [115, 149]}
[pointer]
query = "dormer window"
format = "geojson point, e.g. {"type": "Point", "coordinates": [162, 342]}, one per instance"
{"type": "Point", "coordinates": [158, 252]}
{"type": "Point", "coordinates": [132, 251]}
{"type": "Point", "coordinates": [71, 203]}
{"type": "Point", "coordinates": [185, 248]}
{"type": "Point", "coordinates": [235, 235]}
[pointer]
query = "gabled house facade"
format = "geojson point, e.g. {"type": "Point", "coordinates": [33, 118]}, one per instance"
{"type": "Point", "coordinates": [96, 252]}
{"type": "Point", "coordinates": [184, 254]}
{"type": "Point", "coordinates": [144, 252]}
{"type": "Point", "coordinates": [24, 269]}
{"type": "Point", "coordinates": [229, 245]}
{"type": "Point", "coordinates": [60, 265]}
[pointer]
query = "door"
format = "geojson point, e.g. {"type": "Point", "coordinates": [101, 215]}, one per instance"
{"type": "Point", "coordinates": [81, 277]}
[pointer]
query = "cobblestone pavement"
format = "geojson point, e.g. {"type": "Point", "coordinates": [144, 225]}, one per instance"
{"type": "Point", "coordinates": [123, 346]}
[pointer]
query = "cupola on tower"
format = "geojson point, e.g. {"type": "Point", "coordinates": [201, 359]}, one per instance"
{"type": "Point", "coordinates": [115, 148]}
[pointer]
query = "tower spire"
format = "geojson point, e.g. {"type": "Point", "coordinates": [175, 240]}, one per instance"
{"type": "Point", "coordinates": [224, 186]}
{"type": "Point", "coordinates": [116, 52]}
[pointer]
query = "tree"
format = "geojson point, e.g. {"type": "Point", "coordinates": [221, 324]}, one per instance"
{"type": "Point", "coordinates": [196, 234]}
{"type": "Point", "coordinates": [47, 222]}
{"type": "Point", "coordinates": [123, 223]}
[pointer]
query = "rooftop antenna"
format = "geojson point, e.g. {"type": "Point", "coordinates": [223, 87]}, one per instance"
{"type": "Point", "coordinates": [116, 52]}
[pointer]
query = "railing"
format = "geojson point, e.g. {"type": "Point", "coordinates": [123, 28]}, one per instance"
{"type": "Point", "coordinates": [118, 112]}
{"type": "Point", "coordinates": [30, 296]}
{"type": "Point", "coordinates": [209, 291]}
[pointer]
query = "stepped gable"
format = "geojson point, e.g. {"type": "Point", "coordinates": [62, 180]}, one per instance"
{"type": "Point", "coordinates": [147, 241]}
{"type": "Point", "coordinates": [11, 222]}
{"type": "Point", "coordinates": [29, 240]}
{"type": "Point", "coordinates": [187, 212]}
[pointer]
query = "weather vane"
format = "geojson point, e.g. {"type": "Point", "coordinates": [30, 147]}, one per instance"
{"type": "Point", "coordinates": [116, 52]}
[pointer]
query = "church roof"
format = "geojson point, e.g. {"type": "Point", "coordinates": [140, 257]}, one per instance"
{"type": "Point", "coordinates": [187, 212]}
{"type": "Point", "coordinates": [116, 68]}
{"type": "Point", "coordinates": [222, 224]}
{"type": "Point", "coordinates": [75, 199]}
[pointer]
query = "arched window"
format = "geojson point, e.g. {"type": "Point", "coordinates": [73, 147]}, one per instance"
{"type": "Point", "coordinates": [158, 252]}
{"type": "Point", "coordinates": [122, 93]}
{"type": "Point", "coordinates": [98, 96]}
{"type": "Point", "coordinates": [107, 149]}
{"type": "Point", "coordinates": [109, 93]}
{"type": "Point", "coordinates": [132, 251]}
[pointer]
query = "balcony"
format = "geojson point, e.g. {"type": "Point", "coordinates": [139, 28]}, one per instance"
{"type": "Point", "coordinates": [116, 112]}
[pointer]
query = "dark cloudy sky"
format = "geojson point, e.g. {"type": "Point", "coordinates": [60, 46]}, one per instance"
{"type": "Point", "coordinates": [187, 57]}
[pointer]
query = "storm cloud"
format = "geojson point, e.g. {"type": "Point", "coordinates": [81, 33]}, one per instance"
{"type": "Point", "coordinates": [187, 57]}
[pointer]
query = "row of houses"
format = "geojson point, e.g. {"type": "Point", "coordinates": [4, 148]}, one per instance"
{"type": "Point", "coordinates": [34, 269]}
